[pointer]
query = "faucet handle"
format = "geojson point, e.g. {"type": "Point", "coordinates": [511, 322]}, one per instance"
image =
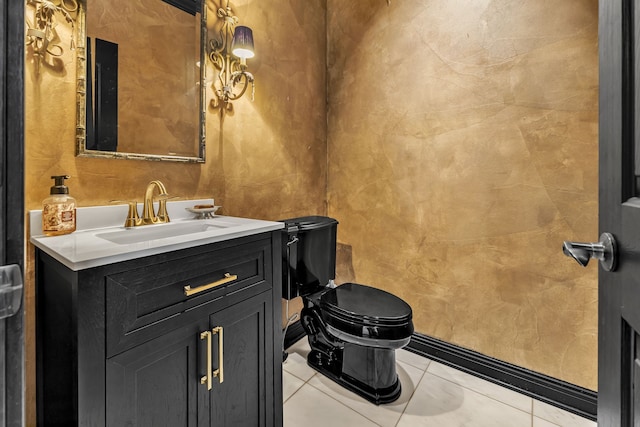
{"type": "Point", "coordinates": [162, 214]}
{"type": "Point", "coordinates": [133, 218]}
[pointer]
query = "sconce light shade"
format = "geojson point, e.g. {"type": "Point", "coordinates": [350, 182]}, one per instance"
{"type": "Point", "coordinates": [242, 44]}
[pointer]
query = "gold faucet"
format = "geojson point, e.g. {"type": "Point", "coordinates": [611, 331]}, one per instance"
{"type": "Point", "coordinates": [149, 216]}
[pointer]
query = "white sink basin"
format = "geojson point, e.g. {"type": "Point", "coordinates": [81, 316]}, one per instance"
{"type": "Point", "coordinates": [144, 233]}
{"type": "Point", "coordinates": [101, 239]}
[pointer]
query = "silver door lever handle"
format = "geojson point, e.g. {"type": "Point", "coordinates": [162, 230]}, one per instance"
{"type": "Point", "coordinates": [605, 251]}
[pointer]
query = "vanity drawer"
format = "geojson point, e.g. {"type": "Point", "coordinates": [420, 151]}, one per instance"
{"type": "Point", "coordinates": [148, 301]}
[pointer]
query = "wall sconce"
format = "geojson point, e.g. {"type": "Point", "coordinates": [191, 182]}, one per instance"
{"type": "Point", "coordinates": [229, 55]}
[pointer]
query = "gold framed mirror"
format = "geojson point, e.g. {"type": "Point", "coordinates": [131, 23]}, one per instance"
{"type": "Point", "coordinates": [140, 89]}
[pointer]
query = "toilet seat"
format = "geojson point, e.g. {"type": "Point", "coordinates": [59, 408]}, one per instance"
{"type": "Point", "coordinates": [362, 312]}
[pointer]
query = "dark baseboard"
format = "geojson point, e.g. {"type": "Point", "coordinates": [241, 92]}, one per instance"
{"type": "Point", "coordinates": [563, 395]}
{"type": "Point", "coordinates": [578, 400]}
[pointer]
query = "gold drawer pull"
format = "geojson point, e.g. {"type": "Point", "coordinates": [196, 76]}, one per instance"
{"type": "Point", "coordinates": [219, 373]}
{"type": "Point", "coordinates": [227, 278]}
{"type": "Point", "coordinates": [207, 379]}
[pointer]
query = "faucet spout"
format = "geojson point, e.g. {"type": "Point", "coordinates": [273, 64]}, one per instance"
{"type": "Point", "coordinates": [149, 215]}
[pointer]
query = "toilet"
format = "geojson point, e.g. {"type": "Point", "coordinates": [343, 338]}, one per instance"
{"type": "Point", "coordinates": [353, 329]}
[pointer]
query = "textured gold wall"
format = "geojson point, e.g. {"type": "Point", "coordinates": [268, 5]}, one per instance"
{"type": "Point", "coordinates": [462, 152]}
{"type": "Point", "coordinates": [462, 146]}
{"type": "Point", "coordinates": [268, 160]}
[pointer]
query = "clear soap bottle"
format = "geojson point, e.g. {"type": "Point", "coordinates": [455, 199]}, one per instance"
{"type": "Point", "coordinates": [59, 209]}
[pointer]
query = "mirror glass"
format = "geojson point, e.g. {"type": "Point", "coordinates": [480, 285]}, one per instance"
{"type": "Point", "coordinates": [139, 81]}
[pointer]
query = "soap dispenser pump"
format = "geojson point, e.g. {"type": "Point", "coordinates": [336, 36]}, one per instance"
{"type": "Point", "coordinates": [59, 209]}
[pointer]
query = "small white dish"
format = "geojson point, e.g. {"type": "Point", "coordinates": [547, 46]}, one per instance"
{"type": "Point", "coordinates": [204, 213]}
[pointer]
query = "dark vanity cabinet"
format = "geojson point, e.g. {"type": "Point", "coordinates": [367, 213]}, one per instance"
{"type": "Point", "coordinates": [123, 345]}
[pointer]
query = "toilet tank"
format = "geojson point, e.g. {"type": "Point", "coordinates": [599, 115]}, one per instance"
{"type": "Point", "coordinates": [308, 255]}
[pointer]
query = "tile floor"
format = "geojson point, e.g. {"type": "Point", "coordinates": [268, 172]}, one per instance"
{"type": "Point", "coordinates": [432, 395]}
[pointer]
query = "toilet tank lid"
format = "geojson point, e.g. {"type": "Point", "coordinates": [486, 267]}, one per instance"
{"type": "Point", "coordinates": [313, 222]}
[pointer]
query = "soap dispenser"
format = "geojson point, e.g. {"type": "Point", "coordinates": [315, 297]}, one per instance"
{"type": "Point", "coordinates": [59, 209]}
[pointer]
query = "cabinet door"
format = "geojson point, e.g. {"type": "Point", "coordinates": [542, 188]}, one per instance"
{"type": "Point", "coordinates": [245, 396]}
{"type": "Point", "coordinates": [158, 383]}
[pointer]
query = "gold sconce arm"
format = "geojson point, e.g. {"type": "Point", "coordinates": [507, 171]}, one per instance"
{"type": "Point", "coordinates": [236, 78]}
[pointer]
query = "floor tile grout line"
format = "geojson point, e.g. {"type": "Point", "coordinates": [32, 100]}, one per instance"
{"type": "Point", "coordinates": [340, 402]}
{"type": "Point", "coordinates": [531, 412]}
{"type": "Point", "coordinates": [301, 379]}
{"type": "Point", "coordinates": [484, 394]}
{"type": "Point", "coordinates": [413, 393]}
{"type": "Point", "coordinates": [414, 366]}
{"type": "Point", "coordinates": [297, 389]}
{"type": "Point", "coordinates": [292, 394]}
{"type": "Point", "coordinates": [304, 382]}
{"type": "Point", "coordinates": [480, 394]}
{"type": "Point", "coordinates": [542, 417]}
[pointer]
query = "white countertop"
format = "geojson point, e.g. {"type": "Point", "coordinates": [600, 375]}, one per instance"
{"type": "Point", "coordinates": [85, 248]}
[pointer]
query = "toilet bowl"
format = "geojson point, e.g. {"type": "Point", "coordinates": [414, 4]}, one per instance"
{"type": "Point", "coordinates": [353, 329]}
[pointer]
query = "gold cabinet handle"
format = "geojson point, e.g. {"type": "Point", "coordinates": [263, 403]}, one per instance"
{"type": "Point", "coordinates": [219, 373]}
{"type": "Point", "coordinates": [207, 378]}
{"type": "Point", "coordinates": [227, 278]}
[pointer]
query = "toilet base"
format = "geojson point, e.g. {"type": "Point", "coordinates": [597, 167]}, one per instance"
{"type": "Point", "coordinates": [361, 365]}
{"type": "Point", "coordinates": [367, 371]}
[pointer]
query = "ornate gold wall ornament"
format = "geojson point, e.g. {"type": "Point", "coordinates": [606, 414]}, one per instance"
{"type": "Point", "coordinates": [41, 33]}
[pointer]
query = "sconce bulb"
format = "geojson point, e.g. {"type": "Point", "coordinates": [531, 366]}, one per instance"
{"type": "Point", "coordinates": [242, 44]}
{"type": "Point", "coordinates": [243, 53]}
